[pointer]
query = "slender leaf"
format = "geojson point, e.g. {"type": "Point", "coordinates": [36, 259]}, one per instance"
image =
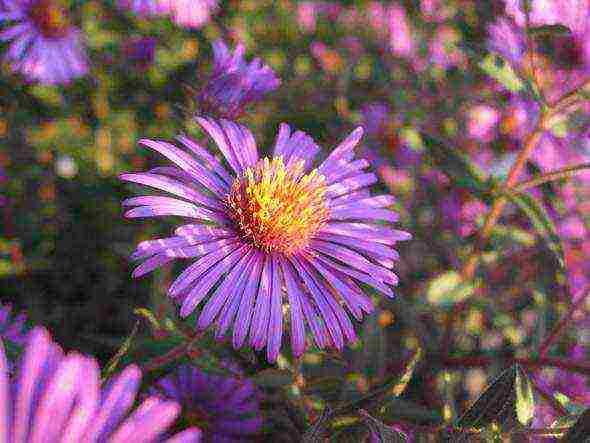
{"type": "Point", "coordinates": [456, 165]}
{"type": "Point", "coordinates": [555, 30]}
{"type": "Point", "coordinates": [379, 430]}
{"type": "Point", "coordinates": [115, 360]}
{"type": "Point", "coordinates": [541, 222]}
{"type": "Point", "coordinates": [315, 433]}
{"type": "Point", "coordinates": [502, 73]}
{"type": "Point", "coordinates": [525, 402]}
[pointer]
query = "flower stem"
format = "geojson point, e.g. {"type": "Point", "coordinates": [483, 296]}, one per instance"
{"type": "Point", "coordinates": [564, 321]}
{"type": "Point", "coordinates": [174, 354]}
{"type": "Point", "coordinates": [552, 176]}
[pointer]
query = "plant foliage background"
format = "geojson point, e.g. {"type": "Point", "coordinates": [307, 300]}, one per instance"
{"type": "Point", "coordinates": [446, 120]}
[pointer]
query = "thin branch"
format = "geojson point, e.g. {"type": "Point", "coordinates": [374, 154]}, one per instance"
{"type": "Point", "coordinates": [584, 293]}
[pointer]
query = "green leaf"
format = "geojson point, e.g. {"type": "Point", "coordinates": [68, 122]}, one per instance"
{"type": "Point", "coordinates": [495, 406]}
{"type": "Point", "coordinates": [541, 222]}
{"type": "Point", "coordinates": [502, 73]}
{"type": "Point", "coordinates": [114, 361]}
{"type": "Point", "coordinates": [580, 431]}
{"type": "Point", "coordinates": [525, 402]}
{"type": "Point", "coordinates": [456, 165]}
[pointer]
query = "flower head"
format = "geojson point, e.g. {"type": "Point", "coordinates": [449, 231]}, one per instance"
{"type": "Point", "coordinates": [55, 396]}
{"type": "Point", "coordinates": [225, 408]}
{"type": "Point", "coordinates": [234, 83]}
{"type": "Point", "coordinates": [270, 231]}
{"type": "Point", "coordinates": [45, 46]}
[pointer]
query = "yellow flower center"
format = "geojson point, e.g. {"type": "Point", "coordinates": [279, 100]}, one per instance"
{"type": "Point", "coordinates": [278, 208]}
{"type": "Point", "coordinates": [50, 18]}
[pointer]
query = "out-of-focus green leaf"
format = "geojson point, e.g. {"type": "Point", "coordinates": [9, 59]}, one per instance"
{"type": "Point", "coordinates": [502, 73]}
{"type": "Point", "coordinates": [381, 431]}
{"type": "Point", "coordinates": [580, 431]}
{"type": "Point", "coordinates": [449, 288]}
{"type": "Point", "coordinates": [124, 349]}
{"type": "Point", "coordinates": [525, 402]}
{"type": "Point", "coordinates": [273, 378]}
{"type": "Point", "coordinates": [457, 166]}
{"type": "Point", "coordinates": [540, 220]}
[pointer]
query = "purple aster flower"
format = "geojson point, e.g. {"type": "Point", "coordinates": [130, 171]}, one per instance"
{"type": "Point", "coordinates": [269, 231]}
{"type": "Point", "coordinates": [189, 13]}
{"type": "Point", "coordinates": [234, 83]}
{"type": "Point", "coordinates": [225, 408]}
{"type": "Point", "coordinates": [12, 328]}
{"type": "Point", "coordinates": [44, 47]}
{"type": "Point", "coordinates": [56, 397]}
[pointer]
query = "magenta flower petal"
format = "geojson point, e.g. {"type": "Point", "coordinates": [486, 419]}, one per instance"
{"type": "Point", "coordinates": [277, 232]}
{"type": "Point", "coordinates": [57, 397]}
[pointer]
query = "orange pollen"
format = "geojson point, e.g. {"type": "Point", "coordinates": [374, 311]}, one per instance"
{"type": "Point", "coordinates": [50, 18]}
{"type": "Point", "coordinates": [276, 207]}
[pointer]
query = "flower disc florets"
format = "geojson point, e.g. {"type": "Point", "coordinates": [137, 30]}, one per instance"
{"type": "Point", "coordinates": [276, 207]}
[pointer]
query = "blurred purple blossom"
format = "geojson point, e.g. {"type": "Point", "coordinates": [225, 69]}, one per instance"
{"type": "Point", "coordinates": [55, 395]}
{"type": "Point", "coordinates": [482, 122]}
{"type": "Point", "coordinates": [270, 221]}
{"type": "Point", "coordinates": [44, 46]}
{"type": "Point", "coordinates": [142, 8]}
{"type": "Point", "coordinates": [569, 65]}
{"type": "Point", "coordinates": [189, 13]}
{"type": "Point", "coordinates": [224, 407]}
{"type": "Point", "coordinates": [308, 13]}
{"type": "Point", "coordinates": [234, 83]}
{"type": "Point", "coordinates": [401, 34]}
{"type": "Point", "coordinates": [140, 51]}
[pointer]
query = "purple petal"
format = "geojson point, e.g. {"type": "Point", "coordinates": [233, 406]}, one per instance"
{"type": "Point", "coordinates": [215, 251]}
{"type": "Point", "coordinates": [218, 299]}
{"type": "Point", "coordinates": [275, 326]}
{"type": "Point", "coordinates": [244, 315]}
{"type": "Point", "coordinates": [320, 301]}
{"type": "Point", "coordinates": [118, 397]}
{"type": "Point", "coordinates": [295, 295]}
{"type": "Point", "coordinates": [350, 184]}
{"type": "Point", "coordinates": [201, 289]}
{"type": "Point", "coordinates": [217, 134]}
{"type": "Point", "coordinates": [207, 158]}
{"type": "Point", "coordinates": [147, 422]}
{"type": "Point", "coordinates": [262, 307]}
{"type": "Point", "coordinates": [355, 260]}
